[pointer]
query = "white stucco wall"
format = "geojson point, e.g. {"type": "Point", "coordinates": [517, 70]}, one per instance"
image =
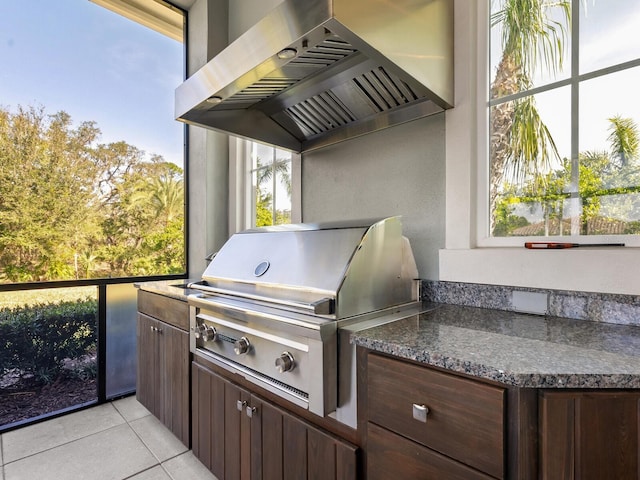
{"type": "Point", "coordinates": [397, 171]}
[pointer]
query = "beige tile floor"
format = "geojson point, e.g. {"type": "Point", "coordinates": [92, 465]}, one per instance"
{"type": "Point", "coordinates": [114, 441]}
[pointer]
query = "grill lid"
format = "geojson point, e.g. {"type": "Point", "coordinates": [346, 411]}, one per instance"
{"type": "Point", "coordinates": [338, 269]}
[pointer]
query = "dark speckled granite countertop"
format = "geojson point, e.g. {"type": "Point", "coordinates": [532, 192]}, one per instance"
{"type": "Point", "coordinates": [512, 348]}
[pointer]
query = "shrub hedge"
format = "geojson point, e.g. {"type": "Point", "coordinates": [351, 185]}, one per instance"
{"type": "Point", "coordinates": [36, 339]}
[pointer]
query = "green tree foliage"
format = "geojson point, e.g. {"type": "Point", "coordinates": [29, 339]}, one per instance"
{"type": "Point", "coordinates": [36, 339]}
{"type": "Point", "coordinates": [613, 175]}
{"type": "Point", "coordinates": [71, 207]}
{"type": "Point", "coordinates": [624, 138]}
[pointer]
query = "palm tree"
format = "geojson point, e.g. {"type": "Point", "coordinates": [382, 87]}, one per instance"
{"type": "Point", "coordinates": [164, 194]}
{"type": "Point", "coordinates": [167, 197]}
{"type": "Point", "coordinates": [269, 173]}
{"type": "Point", "coordinates": [520, 143]}
{"type": "Point", "coordinates": [624, 139]}
{"type": "Point", "coordinates": [279, 168]}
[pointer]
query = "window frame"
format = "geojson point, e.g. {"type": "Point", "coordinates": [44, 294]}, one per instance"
{"type": "Point", "coordinates": [241, 189]}
{"type": "Point", "coordinates": [573, 81]}
{"type": "Point", "coordinates": [466, 258]}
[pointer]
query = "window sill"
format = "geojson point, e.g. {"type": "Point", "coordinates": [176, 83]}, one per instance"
{"type": "Point", "coordinates": [610, 270]}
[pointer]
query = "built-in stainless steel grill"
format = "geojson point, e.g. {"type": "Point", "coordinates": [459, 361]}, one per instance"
{"type": "Point", "coordinates": [274, 300]}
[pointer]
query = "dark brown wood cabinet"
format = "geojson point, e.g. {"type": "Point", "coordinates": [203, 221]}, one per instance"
{"type": "Point", "coordinates": [424, 423]}
{"type": "Point", "coordinates": [239, 436]}
{"type": "Point", "coordinates": [477, 429]}
{"type": "Point", "coordinates": [589, 435]}
{"type": "Point", "coordinates": [164, 361]}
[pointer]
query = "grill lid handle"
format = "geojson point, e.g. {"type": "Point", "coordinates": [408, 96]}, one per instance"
{"type": "Point", "coordinates": [324, 306]}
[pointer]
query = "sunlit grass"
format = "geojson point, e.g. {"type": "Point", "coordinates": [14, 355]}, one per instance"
{"type": "Point", "coordinates": [51, 295]}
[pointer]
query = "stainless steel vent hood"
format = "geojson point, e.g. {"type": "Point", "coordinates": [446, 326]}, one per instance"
{"type": "Point", "coordinates": [315, 72]}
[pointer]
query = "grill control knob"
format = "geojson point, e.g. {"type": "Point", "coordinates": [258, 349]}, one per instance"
{"type": "Point", "coordinates": [241, 346]}
{"type": "Point", "coordinates": [205, 332]}
{"type": "Point", "coordinates": [198, 330]}
{"type": "Point", "coordinates": [285, 362]}
{"type": "Point", "coordinates": [209, 334]}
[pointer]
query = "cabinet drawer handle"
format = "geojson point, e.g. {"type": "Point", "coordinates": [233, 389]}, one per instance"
{"type": "Point", "coordinates": [240, 405]}
{"type": "Point", "coordinates": [251, 411]}
{"type": "Point", "coordinates": [420, 412]}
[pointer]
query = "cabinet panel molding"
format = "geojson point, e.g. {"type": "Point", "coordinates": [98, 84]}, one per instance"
{"type": "Point", "coordinates": [589, 435]}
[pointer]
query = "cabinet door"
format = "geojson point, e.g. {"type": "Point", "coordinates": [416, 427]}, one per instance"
{"type": "Point", "coordinates": [207, 418]}
{"type": "Point", "coordinates": [162, 383]}
{"type": "Point", "coordinates": [221, 428]}
{"type": "Point", "coordinates": [238, 435]}
{"type": "Point", "coordinates": [284, 447]}
{"type": "Point", "coordinates": [148, 374]}
{"type": "Point", "coordinates": [174, 380]}
{"type": "Point", "coordinates": [589, 435]}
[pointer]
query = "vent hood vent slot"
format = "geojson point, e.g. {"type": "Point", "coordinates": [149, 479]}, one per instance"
{"type": "Point", "coordinates": [356, 66]}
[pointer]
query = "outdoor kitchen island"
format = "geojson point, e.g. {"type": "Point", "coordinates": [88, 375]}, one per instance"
{"type": "Point", "coordinates": [534, 397]}
{"type": "Point", "coordinates": [238, 430]}
{"type": "Point", "coordinates": [463, 392]}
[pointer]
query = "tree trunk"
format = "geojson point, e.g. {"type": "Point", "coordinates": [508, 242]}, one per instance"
{"type": "Point", "coordinates": [501, 121]}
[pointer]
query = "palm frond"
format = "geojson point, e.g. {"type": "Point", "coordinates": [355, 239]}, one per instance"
{"type": "Point", "coordinates": [532, 148]}
{"type": "Point", "coordinates": [624, 139]}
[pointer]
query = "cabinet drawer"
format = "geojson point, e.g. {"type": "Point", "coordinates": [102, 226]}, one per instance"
{"type": "Point", "coordinates": [169, 310]}
{"type": "Point", "coordinates": [392, 456]}
{"type": "Point", "coordinates": [465, 419]}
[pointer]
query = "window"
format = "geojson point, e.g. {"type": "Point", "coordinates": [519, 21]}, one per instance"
{"type": "Point", "coordinates": [564, 119]}
{"type": "Point", "coordinates": [270, 189]}
{"type": "Point", "coordinates": [91, 158]}
{"type": "Point", "coordinates": [91, 188]}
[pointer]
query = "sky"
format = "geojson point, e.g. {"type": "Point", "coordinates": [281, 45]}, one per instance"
{"type": "Point", "coordinates": [76, 56]}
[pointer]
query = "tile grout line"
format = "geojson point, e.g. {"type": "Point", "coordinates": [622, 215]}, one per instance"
{"type": "Point", "coordinates": [160, 462]}
{"type": "Point", "coordinates": [128, 423]}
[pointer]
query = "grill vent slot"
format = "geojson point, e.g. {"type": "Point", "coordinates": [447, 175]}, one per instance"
{"type": "Point", "coordinates": [260, 90]}
{"type": "Point", "coordinates": [320, 113]}
{"type": "Point", "coordinates": [322, 55]}
{"type": "Point", "coordinates": [384, 90]}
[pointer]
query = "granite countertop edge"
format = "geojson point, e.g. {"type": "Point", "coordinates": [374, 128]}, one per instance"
{"type": "Point", "coordinates": [568, 354]}
{"type": "Point", "coordinates": [176, 289]}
